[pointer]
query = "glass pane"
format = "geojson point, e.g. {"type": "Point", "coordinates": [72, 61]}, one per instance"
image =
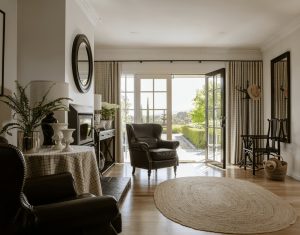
{"type": "Point", "coordinates": [123, 81]}
{"type": "Point", "coordinates": [160, 84]}
{"type": "Point", "coordinates": [218, 118]}
{"type": "Point", "coordinates": [210, 83]}
{"type": "Point", "coordinates": [218, 81]}
{"type": "Point", "coordinates": [218, 145]}
{"type": "Point", "coordinates": [146, 84]}
{"type": "Point", "coordinates": [146, 100]}
{"type": "Point", "coordinates": [210, 144]}
{"type": "Point", "coordinates": [130, 101]}
{"type": "Point", "coordinates": [160, 100]}
{"type": "Point", "coordinates": [130, 83]}
{"type": "Point", "coordinates": [160, 116]}
{"type": "Point", "coordinates": [130, 116]}
{"type": "Point", "coordinates": [123, 101]}
{"type": "Point", "coordinates": [218, 98]}
{"type": "Point", "coordinates": [147, 116]}
{"type": "Point", "coordinates": [210, 100]}
{"type": "Point", "coordinates": [127, 116]}
{"type": "Point", "coordinates": [210, 118]}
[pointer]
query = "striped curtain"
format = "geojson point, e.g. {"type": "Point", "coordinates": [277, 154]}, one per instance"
{"type": "Point", "coordinates": [107, 83]}
{"type": "Point", "coordinates": [240, 75]}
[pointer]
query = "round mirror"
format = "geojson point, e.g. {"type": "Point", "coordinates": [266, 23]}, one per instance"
{"type": "Point", "coordinates": [82, 63]}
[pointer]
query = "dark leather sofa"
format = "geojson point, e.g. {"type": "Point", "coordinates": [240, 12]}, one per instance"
{"type": "Point", "coordinates": [49, 204]}
{"type": "Point", "coordinates": [147, 149]}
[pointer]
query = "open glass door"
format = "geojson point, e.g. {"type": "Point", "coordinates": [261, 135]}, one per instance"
{"type": "Point", "coordinates": [215, 118]}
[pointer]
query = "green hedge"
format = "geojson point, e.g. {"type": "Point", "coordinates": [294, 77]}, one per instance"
{"type": "Point", "coordinates": [175, 129]}
{"type": "Point", "coordinates": [195, 135]}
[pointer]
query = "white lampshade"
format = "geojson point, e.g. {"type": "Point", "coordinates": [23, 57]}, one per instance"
{"type": "Point", "coordinates": [39, 88]}
{"type": "Point", "coordinates": [97, 101]}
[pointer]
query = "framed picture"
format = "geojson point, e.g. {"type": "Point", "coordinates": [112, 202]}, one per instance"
{"type": "Point", "coordinates": [2, 47]}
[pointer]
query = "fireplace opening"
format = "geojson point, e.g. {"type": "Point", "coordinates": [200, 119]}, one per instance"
{"type": "Point", "coordinates": [81, 119]}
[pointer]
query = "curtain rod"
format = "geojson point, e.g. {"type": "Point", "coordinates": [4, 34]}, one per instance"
{"type": "Point", "coordinates": [171, 61]}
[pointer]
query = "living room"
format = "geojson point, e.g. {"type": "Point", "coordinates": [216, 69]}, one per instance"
{"type": "Point", "coordinates": [166, 40]}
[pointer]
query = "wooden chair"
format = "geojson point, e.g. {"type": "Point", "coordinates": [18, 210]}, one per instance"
{"type": "Point", "coordinates": [256, 146]}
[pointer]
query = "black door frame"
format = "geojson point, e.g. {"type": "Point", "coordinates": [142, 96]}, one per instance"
{"type": "Point", "coordinates": [223, 97]}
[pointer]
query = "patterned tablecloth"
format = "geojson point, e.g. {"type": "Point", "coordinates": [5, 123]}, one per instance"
{"type": "Point", "coordinates": [81, 163]}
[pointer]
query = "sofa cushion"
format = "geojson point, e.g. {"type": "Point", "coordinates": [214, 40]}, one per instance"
{"type": "Point", "coordinates": [162, 154]}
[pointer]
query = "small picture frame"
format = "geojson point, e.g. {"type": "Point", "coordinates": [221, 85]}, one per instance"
{"type": "Point", "coordinates": [2, 49]}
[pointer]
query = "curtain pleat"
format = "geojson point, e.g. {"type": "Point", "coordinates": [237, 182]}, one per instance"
{"type": "Point", "coordinates": [240, 75]}
{"type": "Point", "coordinates": [107, 83]}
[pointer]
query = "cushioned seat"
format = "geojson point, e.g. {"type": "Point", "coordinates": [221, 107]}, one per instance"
{"type": "Point", "coordinates": [147, 149]}
{"type": "Point", "coordinates": [49, 204]}
{"type": "Point", "coordinates": [163, 154]}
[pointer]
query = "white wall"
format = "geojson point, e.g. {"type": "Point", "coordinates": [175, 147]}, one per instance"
{"type": "Point", "coordinates": [77, 23]}
{"type": "Point", "coordinates": [10, 60]}
{"type": "Point", "coordinates": [41, 40]}
{"type": "Point", "coordinates": [47, 29]}
{"type": "Point", "coordinates": [290, 152]}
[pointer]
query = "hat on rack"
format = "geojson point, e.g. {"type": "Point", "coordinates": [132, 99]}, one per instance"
{"type": "Point", "coordinates": [254, 92]}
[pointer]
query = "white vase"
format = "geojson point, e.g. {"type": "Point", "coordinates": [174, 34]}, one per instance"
{"type": "Point", "coordinates": [67, 133]}
{"type": "Point", "coordinates": [58, 135]}
{"type": "Point", "coordinates": [108, 124]}
{"type": "Point", "coordinates": [102, 124]}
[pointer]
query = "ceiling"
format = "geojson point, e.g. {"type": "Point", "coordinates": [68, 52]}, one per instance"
{"type": "Point", "coordinates": [245, 24]}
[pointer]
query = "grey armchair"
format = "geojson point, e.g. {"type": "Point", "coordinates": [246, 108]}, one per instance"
{"type": "Point", "coordinates": [147, 149]}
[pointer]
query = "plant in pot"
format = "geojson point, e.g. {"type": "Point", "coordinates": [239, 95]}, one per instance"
{"type": "Point", "coordinates": [108, 111]}
{"type": "Point", "coordinates": [28, 117]}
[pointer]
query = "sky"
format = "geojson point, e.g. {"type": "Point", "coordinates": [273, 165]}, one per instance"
{"type": "Point", "coordinates": [183, 92]}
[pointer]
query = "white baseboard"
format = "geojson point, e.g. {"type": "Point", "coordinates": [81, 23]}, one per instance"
{"type": "Point", "coordinates": [294, 176]}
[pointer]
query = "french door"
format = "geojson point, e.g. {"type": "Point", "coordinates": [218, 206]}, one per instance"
{"type": "Point", "coordinates": [154, 97]}
{"type": "Point", "coordinates": [215, 118]}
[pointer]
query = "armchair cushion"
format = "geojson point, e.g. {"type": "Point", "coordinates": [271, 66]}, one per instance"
{"type": "Point", "coordinates": [49, 188]}
{"type": "Point", "coordinates": [69, 214]}
{"type": "Point", "coordinates": [169, 144]}
{"type": "Point", "coordinates": [162, 154]}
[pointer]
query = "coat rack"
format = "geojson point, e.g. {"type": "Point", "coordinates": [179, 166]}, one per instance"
{"type": "Point", "coordinates": [246, 98]}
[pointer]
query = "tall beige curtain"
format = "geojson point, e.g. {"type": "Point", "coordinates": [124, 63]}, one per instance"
{"type": "Point", "coordinates": [241, 74]}
{"type": "Point", "coordinates": [107, 83]}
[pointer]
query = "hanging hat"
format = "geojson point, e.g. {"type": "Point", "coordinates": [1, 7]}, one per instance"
{"type": "Point", "coordinates": [254, 92]}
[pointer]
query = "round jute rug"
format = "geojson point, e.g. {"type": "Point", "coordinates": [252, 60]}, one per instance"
{"type": "Point", "coordinates": [223, 205]}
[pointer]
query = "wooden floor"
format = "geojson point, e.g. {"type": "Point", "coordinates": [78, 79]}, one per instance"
{"type": "Point", "coordinates": [140, 216]}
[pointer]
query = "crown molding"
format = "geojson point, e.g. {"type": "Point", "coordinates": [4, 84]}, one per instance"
{"type": "Point", "coordinates": [89, 11]}
{"type": "Point", "coordinates": [281, 34]}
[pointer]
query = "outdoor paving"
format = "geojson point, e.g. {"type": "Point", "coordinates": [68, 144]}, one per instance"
{"type": "Point", "coordinates": [186, 151]}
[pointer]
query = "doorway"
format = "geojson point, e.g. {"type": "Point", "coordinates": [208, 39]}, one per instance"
{"type": "Point", "coordinates": [189, 107]}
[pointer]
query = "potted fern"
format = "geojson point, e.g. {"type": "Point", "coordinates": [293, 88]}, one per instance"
{"type": "Point", "coordinates": [28, 117]}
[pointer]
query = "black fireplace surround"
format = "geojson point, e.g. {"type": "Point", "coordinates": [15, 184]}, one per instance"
{"type": "Point", "coordinates": [81, 118]}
